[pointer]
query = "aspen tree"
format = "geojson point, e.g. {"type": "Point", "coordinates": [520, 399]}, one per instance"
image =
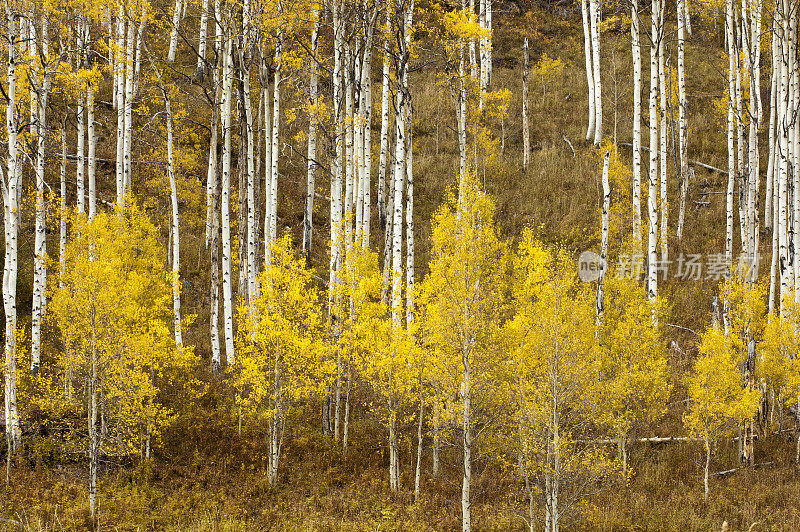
{"type": "Point", "coordinates": [176, 246]}
{"type": "Point", "coordinates": [588, 53]}
{"type": "Point", "coordinates": [81, 130]}
{"type": "Point", "coordinates": [594, 16]}
{"type": "Point", "coordinates": [173, 36]}
{"type": "Point", "coordinates": [463, 300]}
{"type": "Point", "coordinates": [636, 195]}
{"type": "Point", "coordinates": [683, 131]}
{"type": "Point", "coordinates": [10, 188]}
{"type": "Point", "coordinates": [41, 94]}
{"type": "Point", "coordinates": [202, 41]}
{"type": "Point", "coordinates": [127, 146]}
{"type": "Point", "coordinates": [662, 147]}
{"type": "Point", "coordinates": [526, 132]}
{"type": "Point", "coordinates": [729, 32]}
{"type": "Point", "coordinates": [652, 189]}
{"type": "Point", "coordinates": [383, 162]}
{"type": "Point", "coordinates": [600, 304]}
{"type": "Point", "coordinates": [308, 213]}
{"type": "Point", "coordinates": [227, 129]}
{"type": "Point", "coordinates": [112, 311]}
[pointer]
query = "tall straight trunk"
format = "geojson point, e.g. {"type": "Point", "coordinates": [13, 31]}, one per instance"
{"type": "Point", "coordinates": [683, 130]}
{"type": "Point", "coordinates": [176, 246]}
{"type": "Point", "coordinates": [526, 132]}
{"type": "Point", "coordinates": [276, 122]}
{"type": "Point", "coordinates": [80, 125]}
{"type": "Point", "coordinates": [338, 166]}
{"type": "Point", "coordinates": [227, 128]}
{"type": "Point", "coordinates": [409, 216]}
{"type": "Point", "coordinates": [483, 49]}
{"type": "Point", "coordinates": [662, 147]}
{"type": "Point", "coordinates": [216, 359]}
{"type": "Point", "coordinates": [91, 173]}
{"type": "Point", "coordinates": [636, 195]}
{"type": "Point", "coordinates": [94, 437]}
{"type": "Point", "coordinates": [10, 186]}
{"type": "Point", "coordinates": [211, 174]}
{"type": "Point", "coordinates": [127, 181]}
{"type": "Point", "coordinates": [755, 123]}
{"type": "Point", "coordinates": [466, 426]}
{"type": "Point", "coordinates": [600, 303]}
{"type": "Point", "coordinates": [587, 49]}
{"type": "Point", "coordinates": [202, 42]}
{"type": "Point", "coordinates": [773, 91]}
{"type": "Point", "coordinates": [312, 141]}
{"type": "Point", "coordinates": [783, 159]}
{"type": "Point", "coordinates": [119, 76]}
{"type": "Point", "coordinates": [729, 31]}
{"type": "Point", "coordinates": [383, 162]}
{"type": "Point", "coordinates": [436, 436]}
{"type": "Point", "coordinates": [366, 106]}
{"type": "Point", "coordinates": [173, 36]}
{"type": "Point", "coordinates": [794, 150]}
{"type": "Point", "coordinates": [265, 93]}
{"type": "Point", "coordinates": [40, 243]}
{"type": "Point", "coordinates": [137, 67]}
{"type": "Point", "coordinates": [418, 473]}
{"type": "Point", "coordinates": [62, 210]}
{"type": "Point", "coordinates": [652, 189]}
{"type": "Point", "coordinates": [252, 236]}
{"type": "Point", "coordinates": [594, 12]}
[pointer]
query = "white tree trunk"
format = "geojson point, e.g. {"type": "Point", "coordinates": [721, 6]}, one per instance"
{"type": "Point", "coordinates": [600, 301]}
{"type": "Point", "coordinates": [10, 185]}
{"type": "Point", "coordinates": [119, 75]}
{"type": "Point", "coordinates": [636, 195]}
{"type": "Point", "coordinates": [127, 140]}
{"type": "Point", "coordinates": [731, 132]}
{"type": "Point", "coordinates": [91, 156]}
{"type": "Point", "coordinates": [62, 210]}
{"type": "Point", "coordinates": [176, 246]}
{"type": "Point", "coordinates": [587, 48]}
{"type": "Point", "coordinates": [40, 243]}
{"type": "Point", "coordinates": [683, 130]}
{"type": "Point", "coordinates": [652, 190]}
{"type": "Point", "coordinates": [662, 148]}
{"type": "Point", "coordinates": [227, 128]}
{"type": "Point", "coordinates": [312, 141]}
{"type": "Point", "coordinates": [202, 42]}
{"type": "Point", "coordinates": [526, 132]}
{"type": "Point", "coordinates": [173, 36]}
{"type": "Point", "coordinates": [276, 122]}
{"type": "Point", "coordinates": [594, 12]}
{"type": "Point", "coordinates": [383, 162]}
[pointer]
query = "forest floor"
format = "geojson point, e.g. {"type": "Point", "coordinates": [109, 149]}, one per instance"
{"type": "Point", "coordinates": [208, 476]}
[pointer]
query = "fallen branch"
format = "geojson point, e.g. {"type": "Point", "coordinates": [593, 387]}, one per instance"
{"type": "Point", "coordinates": [729, 471]}
{"type": "Point", "coordinates": [569, 144]}
{"type": "Point", "coordinates": [691, 161]}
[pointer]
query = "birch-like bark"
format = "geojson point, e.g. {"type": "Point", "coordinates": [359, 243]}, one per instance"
{"type": "Point", "coordinates": [252, 236]}
{"type": "Point", "coordinates": [80, 120]}
{"type": "Point", "coordinates": [312, 141]}
{"type": "Point", "coordinates": [62, 210]}
{"type": "Point", "coordinates": [683, 130]}
{"type": "Point", "coordinates": [276, 122]}
{"type": "Point", "coordinates": [594, 13]}
{"type": "Point", "coordinates": [10, 185]}
{"type": "Point", "coordinates": [773, 90]}
{"type": "Point", "coordinates": [40, 242]}
{"type": "Point", "coordinates": [173, 36]}
{"type": "Point", "coordinates": [176, 245]}
{"type": "Point", "coordinates": [202, 42]}
{"type": "Point", "coordinates": [636, 195]}
{"type": "Point", "coordinates": [652, 189]}
{"type": "Point", "coordinates": [91, 170]}
{"type": "Point", "coordinates": [366, 106]}
{"type": "Point", "coordinates": [127, 139]}
{"type": "Point", "coordinates": [782, 154]}
{"type": "Point", "coordinates": [526, 132]}
{"type": "Point", "coordinates": [662, 147]}
{"type": "Point", "coordinates": [587, 49]}
{"type": "Point", "coordinates": [211, 174]}
{"type": "Point", "coordinates": [216, 359]}
{"type": "Point", "coordinates": [383, 163]}
{"type": "Point", "coordinates": [227, 128]}
{"type": "Point", "coordinates": [119, 76]}
{"type": "Point", "coordinates": [600, 300]}
{"type": "Point", "coordinates": [729, 32]}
